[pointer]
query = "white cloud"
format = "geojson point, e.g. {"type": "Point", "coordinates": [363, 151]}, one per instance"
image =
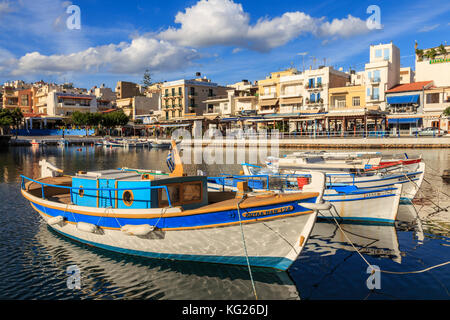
{"type": "Point", "coordinates": [129, 58]}
{"type": "Point", "coordinates": [224, 22]}
{"type": "Point", "coordinates": [207, 23]}
{"type": "Point", "coordinates": [428, 28]}
{"type": "Point", "coordinates": [346, 27]}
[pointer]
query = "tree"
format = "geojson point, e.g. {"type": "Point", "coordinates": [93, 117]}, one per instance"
{"type": "Point", "coordinates": [431, 53]}
{"type": "Point", "coordinates": [447, 112]}
{"type": "Point", "coordinates": [442, 50]}
{"type": "Point", "coordinates": [6, 119]}
{"type": "Point", "coordinates": [420, 54]}
{"type": "Point", "coordinates": [17, 117]}
{"type": "Point", "coordinates": [147, 80]}
{"type": "Point", "coordinates": [114, 119]}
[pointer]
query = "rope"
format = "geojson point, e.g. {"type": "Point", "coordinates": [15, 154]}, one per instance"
{"type": "Point", "coordinates": [384, 271]}
{"type": "Point", "coordinates": [245, 247]}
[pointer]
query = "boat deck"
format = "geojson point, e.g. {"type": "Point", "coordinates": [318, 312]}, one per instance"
{"type": "Point", "coordinates": [217, 200]}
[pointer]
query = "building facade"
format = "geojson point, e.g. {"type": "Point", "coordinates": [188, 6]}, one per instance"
{"type": "Point", "coordinates": [182, 98]}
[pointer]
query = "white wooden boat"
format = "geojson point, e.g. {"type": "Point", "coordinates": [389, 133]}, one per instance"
{"type": "Point", "coordinates": [349, 203]}
{"type": "Point", "coordinates": [410, 180]}
{"type": "Point", "coordinates": [175, 217]}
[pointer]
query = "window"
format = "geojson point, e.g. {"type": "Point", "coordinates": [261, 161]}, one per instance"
{"type": "Point", "coordinates": [356, 101]}
{"type": "Point", "coordinates": [369, 75]}
{"type": "Point", "coordinates": [24, 100]}
{"type": "Point", "coordinates": [312, 97]}
{"type": "Point", "coordinates": [376, 93]}
{"type": "Point", "coordinates": [179, 91]}
{"type": "Point", "coordinates": [311, 83]}
{"type": "Point", "coordinates": [432, 97]}
{"type": "Point", "coordinates": [378, 53]}
{"type": "Point", "coordinates": [127, 198]}
{"type": "Point", "coordinates": [376, 75]}
{"type": "Point", "coordinates": [368, 92]}
{"type": "Point", "coordinates": [173, 91]}
{"type": "Point", "coordinates": [181, 193]}
{"type": "Point", "coordinates": [318, 97]}
{"type": "Point", "coordinates": [386, 54]}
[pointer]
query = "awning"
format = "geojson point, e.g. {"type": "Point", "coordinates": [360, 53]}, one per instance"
{"type": "Point", "coordinates": [403, 120]}
{"type": "Point", "coordinates": [268, 102]}
{"type": "Point", "coordinates": [403, 99]}
{"type": "Point", "coordinates": [174, 125]}
{"type": "Point", "coordinates": [291, 100]}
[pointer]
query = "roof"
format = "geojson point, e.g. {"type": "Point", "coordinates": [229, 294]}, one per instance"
{"type": "Point", "coordinates": [414, 86]}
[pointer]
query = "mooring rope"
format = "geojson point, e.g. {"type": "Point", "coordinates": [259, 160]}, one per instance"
{"type": "Point", "coordinates": [245, 246]}
{"type": "Point", "coordinates": [384, 271]}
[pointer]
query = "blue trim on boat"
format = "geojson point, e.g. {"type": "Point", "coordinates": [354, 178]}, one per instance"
{"type": "Point", "coordinates": [268, 262]}
{"type": "Point", "coordinates": [210, 219]}
{"type": "Point", "coordinates": [368, 220]}
{"type": "Point", "coordinates": [356, 199]}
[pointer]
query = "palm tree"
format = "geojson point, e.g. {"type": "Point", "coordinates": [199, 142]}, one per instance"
{"type": "Point", "coordinates": [442, 50]}
{"type": "Point", "coordinates": [431, 53]}
{"type": "Point", "coordinates": [419, 53]}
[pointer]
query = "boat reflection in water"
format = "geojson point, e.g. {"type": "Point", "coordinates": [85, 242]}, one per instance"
{"type": "Point", "coordinates": [374, 240]}
{"type": "Point", "coordinates": [106, 274]}
{"type": "Point", "coordinates": [370, 239]}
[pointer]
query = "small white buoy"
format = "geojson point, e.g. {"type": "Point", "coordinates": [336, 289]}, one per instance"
{"type": "Point", "coordinates": [55, 220]}
{"type": "Point", "coordinates": [86, 227]}
{"type": "Point", "coordinates": [316, 206]}
{"type": "Point", "coordinates": [137, 230]}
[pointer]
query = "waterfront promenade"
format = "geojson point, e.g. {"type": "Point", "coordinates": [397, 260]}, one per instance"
{"type": "Point", "coordinates": [297, 142]}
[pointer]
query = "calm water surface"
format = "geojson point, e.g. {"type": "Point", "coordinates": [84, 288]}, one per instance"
{"type": "Point", "coordinates": [34, 259]}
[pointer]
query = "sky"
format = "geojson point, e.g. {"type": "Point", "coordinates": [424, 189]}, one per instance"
{"type": "Point", "coordinates": [97, 42]}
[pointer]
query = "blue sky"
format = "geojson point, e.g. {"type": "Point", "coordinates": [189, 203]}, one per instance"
{"type": "Point", "coordinates": [226, 40]}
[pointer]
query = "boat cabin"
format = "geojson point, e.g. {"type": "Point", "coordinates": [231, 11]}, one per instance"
{"type": "Point", "coordinates": [122, 189]}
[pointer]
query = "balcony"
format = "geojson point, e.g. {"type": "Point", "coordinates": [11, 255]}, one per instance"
{"type": "Point", "coordinates": [317, 86]}
{"type": "Point", "coordinates": [375, 80]}
{"type": "Point", "coordinates": [272, 95]}
{"type": "Point", "coordinates": [291, 95]}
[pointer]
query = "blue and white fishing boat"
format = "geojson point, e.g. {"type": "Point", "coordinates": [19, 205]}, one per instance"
{"type": "Point", "coordinates": [175, 217]}
{"type": "Point", "coordinates": [349, 203]}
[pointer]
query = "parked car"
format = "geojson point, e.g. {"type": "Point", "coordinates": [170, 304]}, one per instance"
{"type": "Point", "coordinates": [431, 131]}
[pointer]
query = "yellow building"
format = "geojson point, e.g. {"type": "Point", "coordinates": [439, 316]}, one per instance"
{"type": "Point", "coordinates": [347, 98]}
{"type": "Point", "coordinates": [269, 91]}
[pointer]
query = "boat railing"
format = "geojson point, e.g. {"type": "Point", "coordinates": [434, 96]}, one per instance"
{"type": "Point", "coordinates": [109, 190]}
{"type": "Point", "coordinates": [285, 178]}
{"type": "Point", "coordinates": [265, 177]}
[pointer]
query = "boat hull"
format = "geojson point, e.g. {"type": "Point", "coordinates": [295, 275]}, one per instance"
{"type": "Point", "coordinates": [378, 206]}
{"type": "Point", "coordinates": [273, 241]}
{"type": "Point", "coordinates": [373, 206]}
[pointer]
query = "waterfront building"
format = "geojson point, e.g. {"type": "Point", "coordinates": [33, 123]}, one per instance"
{"type": "Point", "coordinates": [245, 98]}
{"type": "Point", "coordinates": [433, 63]}
{"type": "Point", "coordinates": [25, 100]}
{"type": "Point", "coordinates": [381, 73]}
{"type": "Point", "coordinates": [437, 99]}
{"type": "Point", "coordinates": [406, 75]}
{"type": "Point", "coordinates": [10, 98]}
{"type": "Point", "coordinates": [125, 89]}
{"type": "Point", "coordinates": [405, 104]}
{"type": "Point", "coordinates": [269, 91]}
{"type": "Point", "coordinates": [63, 104]}
{"type": "Point", "coordinates": [185, 98]}
{"type": "Point", "coordinates": [138, 106]}
{"type": "Point", "coordinates": [318, 82]}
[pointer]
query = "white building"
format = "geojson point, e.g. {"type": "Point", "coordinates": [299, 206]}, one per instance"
{"type": "Point", "coordinates": [64, 104]}
{"type": "Point", "coordinates": [381, 73]}
{"type": "Point", "coordinates": [436, 69]}
{"type": "Point", "coordinates": [317, 82]}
